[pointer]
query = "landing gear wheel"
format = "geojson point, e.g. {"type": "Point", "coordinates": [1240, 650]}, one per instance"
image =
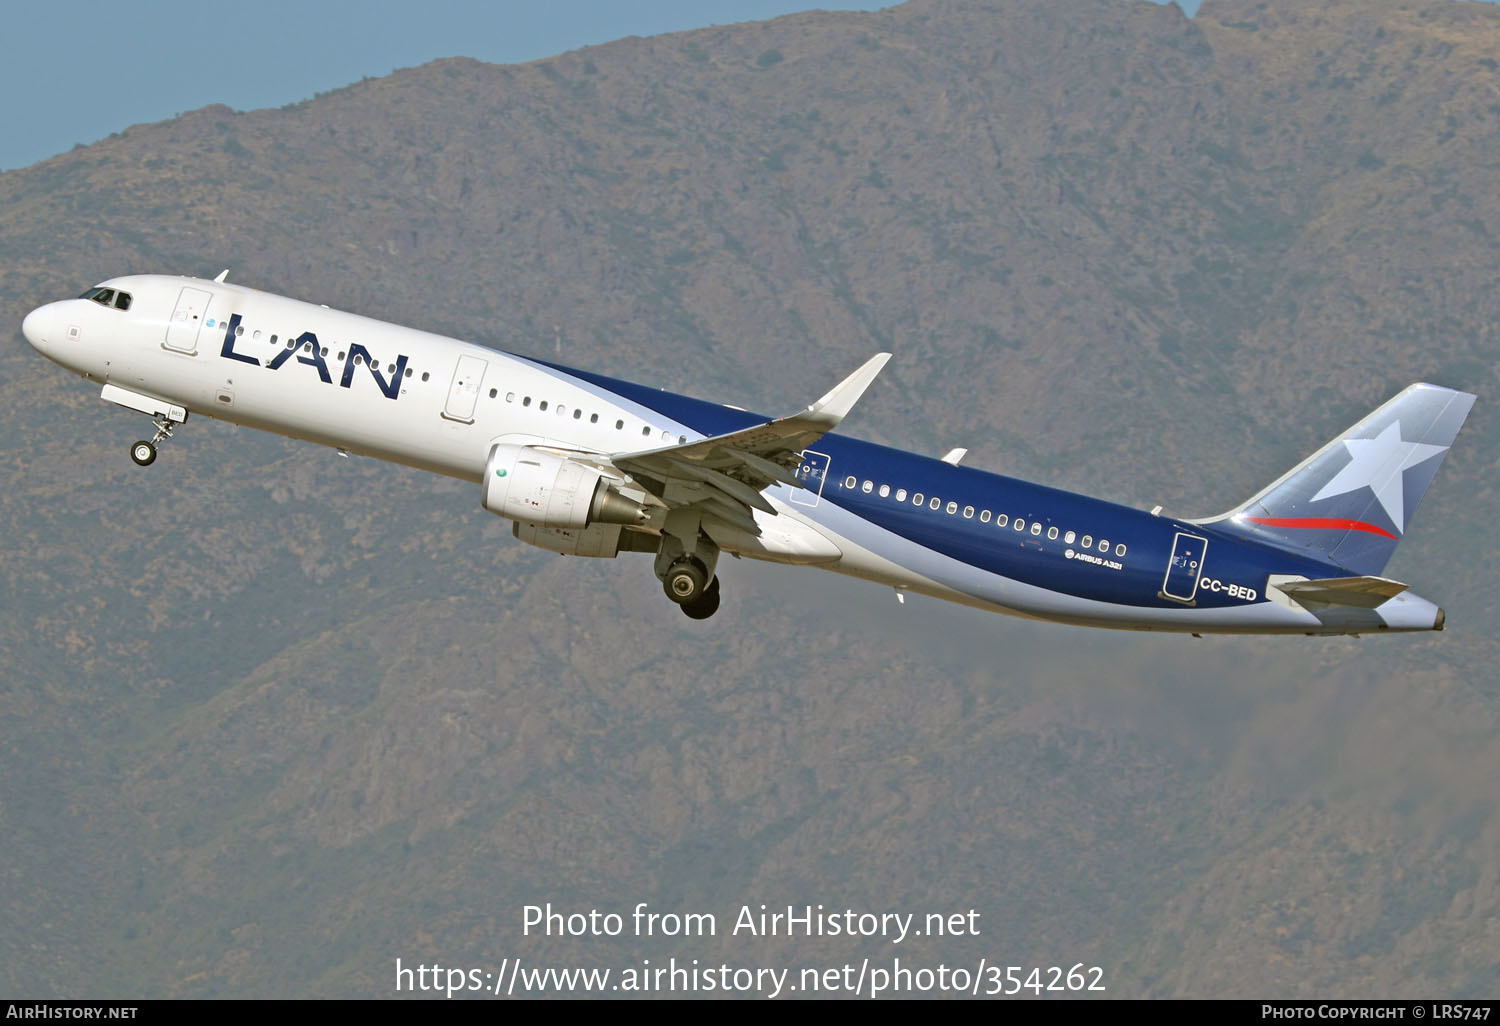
{"type": "Point", "coordinates": [706, 606]}
{"type": "Point", "coordinates": [685, 582]}
{"type": "Point", "coordinates": [144, 454]}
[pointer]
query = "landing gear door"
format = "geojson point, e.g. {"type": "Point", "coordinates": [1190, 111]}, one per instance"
{"type": "Point", "coordinates": [812, 472]}
{"type": "Point", "coordinates": [1181, 582]}
{"type": "Point", "coordinates": [188, 318]}
{"type": "Point", "coordinates": [463, 394]}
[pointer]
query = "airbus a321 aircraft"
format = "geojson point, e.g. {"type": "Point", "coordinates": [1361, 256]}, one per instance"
{"type": "Point", "coordinates": [591, 466]}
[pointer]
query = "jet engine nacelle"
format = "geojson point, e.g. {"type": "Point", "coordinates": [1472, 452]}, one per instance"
{"type": "Point", "coordinates": [535, 487]}
{"type": "Point", "coordinates": [601, 541]}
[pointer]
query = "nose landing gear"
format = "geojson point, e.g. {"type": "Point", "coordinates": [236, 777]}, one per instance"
{"type": "Point", "coordinates": [143, 452]}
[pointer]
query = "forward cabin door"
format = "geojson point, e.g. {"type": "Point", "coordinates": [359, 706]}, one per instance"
{"type": "Point", "coordinates": [187, 320]}
{"type": "Point", "coordinates": [463, 394]}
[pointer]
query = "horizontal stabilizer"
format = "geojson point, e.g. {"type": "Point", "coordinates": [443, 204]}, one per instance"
{"type": "Point", "coordinates": [1363, 592]}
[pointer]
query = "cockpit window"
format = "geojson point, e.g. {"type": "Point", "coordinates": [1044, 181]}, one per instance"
{"type": "Point", "coordinates": [108, 297]}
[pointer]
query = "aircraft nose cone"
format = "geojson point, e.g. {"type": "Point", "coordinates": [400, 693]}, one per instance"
{"type": "Point", "coordinates": [35, 327]}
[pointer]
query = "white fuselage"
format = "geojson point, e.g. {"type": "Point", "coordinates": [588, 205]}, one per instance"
{"type": "Point", "coordinates": [440, 404]}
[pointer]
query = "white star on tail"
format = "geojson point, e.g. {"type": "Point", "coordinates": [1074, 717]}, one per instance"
{"type": "Point", "coordinates": [1379, 464]}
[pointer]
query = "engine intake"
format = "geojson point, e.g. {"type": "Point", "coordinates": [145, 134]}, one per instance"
{"type": "Point", "coordinates": [535, 487]}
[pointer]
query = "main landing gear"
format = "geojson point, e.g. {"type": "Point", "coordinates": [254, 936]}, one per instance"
{"type": "Point", "coordinates": [143, 452]}
{"type": "Point", "coordinates": [687, 583]}
{"type": "Point", "coordinates": [685, 564]}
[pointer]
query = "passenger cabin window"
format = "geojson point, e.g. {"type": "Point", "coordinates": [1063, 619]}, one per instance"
{"type": "Point", "coordinates": [867, 487]}
{"type": "Point", "coordinates": [900, 494]}
{"type": "Point", "coordinates": [918, 499]}
{"type": "Point", "coordinates": [951, 508]}
{"type": "Point", "coordinates": [968, 512]}
{"type": "Point", "coordinates": [1020, 524]}
{"type": "Point", "coordinates": [1001, 520]}
{"type": "Point", "coordinates": [1052, 534]}
{"type": "Point", "coordinates": [1069, 537]}
{"type": "Point", "coordinates": [984, 517]}
{"type": "Point", "coordinates": [1120, 550]}
{"type": "Point", "coordinates": [1087, 541]}
{"type": "Point", "coordinates": [1036, 527]}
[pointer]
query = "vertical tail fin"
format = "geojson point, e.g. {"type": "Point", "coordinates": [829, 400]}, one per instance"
{"type": "Point", "coordinates": [1351, 502]}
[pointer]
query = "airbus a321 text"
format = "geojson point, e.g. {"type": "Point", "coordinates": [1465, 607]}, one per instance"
{"type": "Point", "coordinates": [591, 466]}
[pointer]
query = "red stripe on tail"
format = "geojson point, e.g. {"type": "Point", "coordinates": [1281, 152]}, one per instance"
{"type": "Point", "coordinates": [1323, 524]}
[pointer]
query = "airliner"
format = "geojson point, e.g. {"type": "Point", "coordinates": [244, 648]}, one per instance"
{"type": "Point", "coordinates": [587, 465]}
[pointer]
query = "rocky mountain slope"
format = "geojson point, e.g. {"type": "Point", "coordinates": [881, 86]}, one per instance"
{"type": "Point", "coordinates": [273, 719]}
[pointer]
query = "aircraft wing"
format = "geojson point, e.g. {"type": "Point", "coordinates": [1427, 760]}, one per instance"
{"type": "Point", "coordinates": [726, 474]}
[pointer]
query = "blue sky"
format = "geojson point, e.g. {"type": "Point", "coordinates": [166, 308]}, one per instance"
{"type": "Point", "coordinates": [76, 70]}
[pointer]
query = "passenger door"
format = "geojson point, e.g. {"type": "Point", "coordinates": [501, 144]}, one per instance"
{"type": "Point", "coordinates": [812, 472]}
{"type": "Point", "coordinates": [463, 394]}
{"type": "Point", "coordinates": [188, 319]}
{"type": "Point", "coordinates": [1181, 582]}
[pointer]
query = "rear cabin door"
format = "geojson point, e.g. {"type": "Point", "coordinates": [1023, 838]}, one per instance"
{"type": "Point", "coordinates": [1183, 568]}
{"type": "Point", "coordinates": [463, 394]}
{"type": "Point", "coordinates": [188, 318]}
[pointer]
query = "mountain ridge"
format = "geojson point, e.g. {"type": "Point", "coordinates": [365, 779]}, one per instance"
{"type": "Point", "coordinates": [277, 718]}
